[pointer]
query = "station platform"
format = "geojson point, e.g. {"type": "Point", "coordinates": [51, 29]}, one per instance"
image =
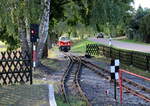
{"type": "Point", "coordinates": [27, 95]}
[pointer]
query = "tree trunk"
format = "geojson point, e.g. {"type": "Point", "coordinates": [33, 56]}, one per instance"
{"type": "Point", "coordinates": [29, 44]}
{"type": "Point", "coordinates": [22, 33]}
{"type": "Point", "coordinates": [43, 30]}
{"type": "Point", "coordinates": [49, 41]}
{"type": "Point", "coordinates": [45, 50]}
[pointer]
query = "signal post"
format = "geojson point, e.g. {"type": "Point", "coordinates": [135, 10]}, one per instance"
{"type": "Point", "coordinates": [34, 31]}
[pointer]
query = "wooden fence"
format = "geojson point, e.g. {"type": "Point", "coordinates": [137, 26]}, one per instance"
{"type": "Point", "coordinates": [15, 67]}
{"type": "Point", "coordinates": [137, 59]}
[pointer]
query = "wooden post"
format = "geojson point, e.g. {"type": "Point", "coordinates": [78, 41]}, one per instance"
{"type": "Point", "coordinates": [97, 48]}
{"type": "Point", "coordinates": [30, 72]}
{"type": "Point", "coordinates": [147, 62]}
{"type": "Point", "coordinates": [119, 56]}
{"type": "Point", "coordinates": [87, 46]}
{"type": "Point", "coordinates": [131, 60]}
{"type": "Point", "coordinates": [110, 52]}
{"type": "Point", "coordinates": [103, 51]}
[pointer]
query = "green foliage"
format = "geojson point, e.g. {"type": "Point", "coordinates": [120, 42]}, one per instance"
{"type": "Point", "coordinates": [109, 15]}
{"type": "Point", "coordinates": [73, 17]}
{"type": "Point", "coordinates": [138, 28]}
{"type": "Point", "coordinates": [7, 22]}
{"type": "Point", "coordinates": [57, 11]}
{"type": "Point", "coordinates": [145, 28]}
{"type": "Point", "coordinates": [11, 13]}
{"type": "Point", "coordinates": [85, 9]}
{"type": "Point", "coordinates": [134, 23]}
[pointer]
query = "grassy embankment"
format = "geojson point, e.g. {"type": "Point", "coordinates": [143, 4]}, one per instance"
{"type": "Point", "coordinates": [81, 45]}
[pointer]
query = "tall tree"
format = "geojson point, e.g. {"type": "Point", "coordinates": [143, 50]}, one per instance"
{"type": "Point", "coordinates": [110, 13]}
{"type": "Point", "coordinates": [43, 31]}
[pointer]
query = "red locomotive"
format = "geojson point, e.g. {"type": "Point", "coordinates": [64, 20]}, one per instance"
{"type": "Point", "coordinates": [64, 44]}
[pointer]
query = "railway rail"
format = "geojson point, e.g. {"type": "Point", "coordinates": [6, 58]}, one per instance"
{"type": "Point", "coordinates": [64, 78]}
{"type": "Point", "coordinates": [76, 80]}
{"type": "Point", "coordinates": [106, 74]}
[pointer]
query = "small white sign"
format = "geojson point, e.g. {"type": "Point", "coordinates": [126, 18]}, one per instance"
{"type": "Point", "coordinates": [117, 63]}
{"type": "Point", "coordinates": [112, 69]}
{"type": "Point", "coordinates": [116, 76]}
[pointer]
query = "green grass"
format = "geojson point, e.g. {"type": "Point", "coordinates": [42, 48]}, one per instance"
{"type": "Point", "coordinates": [73, 101]}
{"type": "Point", "coordinates": [53, 64]}
{"type": "Point", "coordinates": [80, 46]}
{"type": "Point", "coordinates": [52, 52]}
{"type": "Point", "coordinates": [133, 41]}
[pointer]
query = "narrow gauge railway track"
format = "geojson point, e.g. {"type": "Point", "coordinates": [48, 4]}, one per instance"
{"type": "Point", "coordinates": [64, 79]}
{"type": "Point", "coordinates": [106, 74]}
{"type": "Point", "coordinates": [76, 80]}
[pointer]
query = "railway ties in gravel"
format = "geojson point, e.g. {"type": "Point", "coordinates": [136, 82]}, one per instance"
{"type": "Point", "coordinates": [132, 85]}
{"type": "Point", "coordinates": [71, 79]}
{"type": "Point", "coordinates": [75, 77]}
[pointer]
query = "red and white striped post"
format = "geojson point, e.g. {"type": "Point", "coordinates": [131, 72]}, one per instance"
{"type": "Point", "coordinates": [34, 31]}
{"type": "Point", "coordinates": [34, 55]}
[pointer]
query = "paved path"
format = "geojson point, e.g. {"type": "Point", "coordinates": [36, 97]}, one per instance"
{"type": "Point", "coordinates": [27, 95]}
{"type": "Point", "coordinates": [124, 45]}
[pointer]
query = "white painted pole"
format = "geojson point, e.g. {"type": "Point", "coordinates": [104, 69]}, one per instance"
{"type": "Point", "coordinates": [52, 101]}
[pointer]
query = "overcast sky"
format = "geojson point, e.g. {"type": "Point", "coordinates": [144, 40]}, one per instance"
{"type": "Point", "coordinates": [143, 3]}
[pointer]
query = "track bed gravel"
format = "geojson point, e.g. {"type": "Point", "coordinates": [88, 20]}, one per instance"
{"type": "Point", "coordinates": [95, 87]}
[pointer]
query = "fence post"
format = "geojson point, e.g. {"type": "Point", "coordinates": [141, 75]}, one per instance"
{"type": "Point", "coordinates": [87, 48]}
{"type": "Point", "coordinates": [147, 62]}
{"type": "Point", "coordinates": [131, 60]}
{"type": "Point", "coordinates": [119, 56]}
{"type": "Point", "coordinates": [110, 52]}
{"type": "Point", "coordinates": [98, 50]}
{"type": "Point", "coordinates": [31, 73]}
{"type": "Point", "coordinates": [103, 51]}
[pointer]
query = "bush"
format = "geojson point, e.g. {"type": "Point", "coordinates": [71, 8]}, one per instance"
{"type": "Point", "coordinates": [138, 28]}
